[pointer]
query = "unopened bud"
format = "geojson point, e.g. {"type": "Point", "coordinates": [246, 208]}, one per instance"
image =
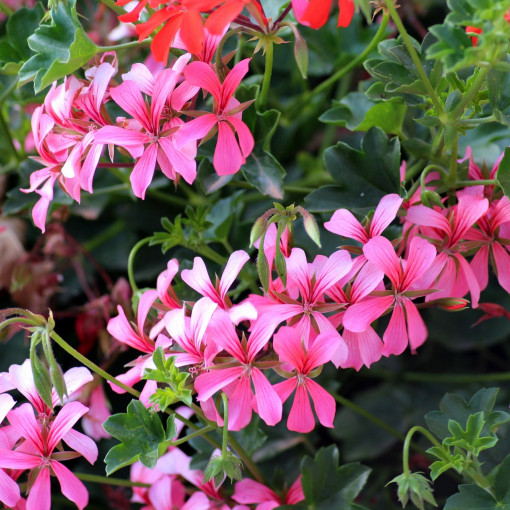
{"type": "Point", "coordinates": [450, 304]}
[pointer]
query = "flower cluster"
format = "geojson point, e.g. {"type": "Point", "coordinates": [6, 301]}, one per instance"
{"type": "Point", "coordinates": [73, 126]}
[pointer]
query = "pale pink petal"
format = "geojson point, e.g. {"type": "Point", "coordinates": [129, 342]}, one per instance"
{"type": "Point", "coordinates": [395, 336]}
{"type": "Point", "coordinates": [359, 316]}
{"type": "Point", "coordinates": [384, 214]}
{"type": "Point", "coordinates": [143, 78]}
{"type": "Point", "coordinates": [74, 378]}
{"type": "Point", "coordinates": [301, 416]}
{"type": "Point", "coordinates": [323, 403]}
{"type": "Point", "coordinates": [6, 404]}
{"type": "Point", "coordinates": [227, 155]}
{"type": "Point", "coordinates": [9, 490]}
{"type": "Point", "coordinates": [39, 497]}
{"type": "Point", "coordinates": [82, 444]}
{"type": "Point", "coordinates": [380, 252]}
{"type": "Point", "coordinates": [160, 494]}
{"type": "Point", "coordinates": [198, 279]}
{"type": "Point", "coordinates": [269, 405]}
{"type": "Point", "coordinates": [209, 383]}
{"type": "Point", "coordinates": [200, 316]}
{"type": "Point", "coordinates": [235, 263]}
{"type": "Point", "coordinates": [23, 379]}
{"type": "Point", "coordinates": [343, 223]}
{"type": "Point", "coordinates": [72, 488]}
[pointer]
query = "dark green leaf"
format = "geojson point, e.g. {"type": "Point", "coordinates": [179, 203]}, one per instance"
{"type": "Point", "coordinates": [473, 497]}
{"type": "Point", "coordinates": [140, 432]}
{"type": "Point", "coordinates": [60, 48]}
{"type": "Point", "coordinates": [20, 26]}
{"type": "Point", "coordinates": [503, 173]}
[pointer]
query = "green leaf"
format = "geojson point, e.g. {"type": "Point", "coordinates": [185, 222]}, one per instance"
{"type": "Point", "coordinates": [20, 26]}
{"type": "Point", "coordinates": [446, 461]}
{"type": "Point", "coordinates": [473, 497]}
{"type": "Point", "coordinates": [328, 486]}
{"type": "Point", "coordinates": [363, 177]}
{"type": "Point", "coordinates": [454, 407]}
{"type": "Point", "coordinates": [503, 173]}
{"type": "Point", "coordinates": [60, 48]}
{"type": "Point", "coordinates": [501, 485]}
{"type": "Point", "coordinates": [470, 439]}
{"type": "Point", "coordinates": [140, 432]}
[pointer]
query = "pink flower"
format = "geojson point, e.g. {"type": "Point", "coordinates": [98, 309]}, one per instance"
{"type": "Point", "coordinates": [229, 154]}
{"type": "Point", "coordinates": [290, 349]}
{"type": "Point", "coordinates": [405, 277]}
{"type": "Point", "coordinates": [241, 401]}
{"type": "Point", "coordinates": [36, 453]}
{"type": "Point", "coordinates": [252, 492]}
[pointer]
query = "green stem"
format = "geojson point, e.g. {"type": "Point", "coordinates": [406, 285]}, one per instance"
{"type": "Point", "coordinates": [452, 180]}
{"type": "Point", "coordinates": [407, 444]}
{"type": "Point", "coordinates": [5, 9]}
{"type": "Point", "coordinates": [206, 251]}
{"type": "Point", "coordinates": [131, 261]}
{"type": "Point", "coordinates": [414, 56]}
{"type": "Point", "coordinates": [247, 461]}
{"type": "Point", "coordinates": [379, 36]}
{"type": "Point", "coordinates": [268, 71]}
{"type": "Point", "coordinates": [482, 182]}
{"type": "Point", "coordinates": [219, 49]}
{"type": "Point", "coordinates": [470, 93]}
{"type": "Point", "coordinates": [427, 170]}
{"type": "Point", "coordinates": [111, 481]}
{"type": "Point", "coordinates": [185, 439]}
{"type": "Point", "coordinates": [111, 4]}
{"type": "Point", "coordinates": [7, 92]}
{"type": "Point", "coordinates": [116, 47]}
{"type": "Point", "coordinates": [92, 366]}
{"type": "Point", "coordinates": [110, 232]}
{"type": "Point", "coordinates": [362, 412]}
{"type": "Point", "coordinates": [224, 443]}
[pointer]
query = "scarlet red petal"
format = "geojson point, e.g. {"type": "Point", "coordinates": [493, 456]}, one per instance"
{"type": "Point", "coordinates": [346, 12]}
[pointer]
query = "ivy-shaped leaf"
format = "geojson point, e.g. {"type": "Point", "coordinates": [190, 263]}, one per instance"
{"type": "Point", "coordinates": [60, 47]}
{"type": "Point", "coordinates": [140, 432]}
{"type": "Point", "coordinates": [446, 461]}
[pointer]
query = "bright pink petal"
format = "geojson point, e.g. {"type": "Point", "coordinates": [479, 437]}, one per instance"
{"type": "Point", "coordinates": [39, 497]}
{"type": "Point", "coordinates": [234, 265]}
{"type": "Point", "coordinates": [249, 491]}
{"type": "Point", "coordinates": [128, 96]}
{"type": "Point", "coordinates": [421, 255]}
{"type": "Point", "coordinates": [415, 326]}
{"type": "Point", "coordinates": [359, 316]}
{"type": "Point", "coordinates": [197, 128]}
{"type": "Point", "coordinates": [385, 213]}
{"type": "Point", "coordinates": [287, 344]}
{"type": "Point", "coordinates": [301, 416]}
{"type": "Point", "coordinates": [426, 217]}
{"type": "Point", "coordinates": [239, 409]}
{"type": "Point", "coordinates": [269, 405]}
{"type": "Point", "coordinates": [343, 223]}
{"type": "Point", "coordinates": [233, 80]}
{"type": "Point", "coordinates": [472, 282]}
{"type": "Point", "coordinates": [9, 490]}
{"type": "Point", "coordinates": [224, 334]}
{"type": "Point", "coordinates": [502, 260]}
{"type": "Point", "coordinates": [246, 141]}
{"type": "Point", "coordinates": [18, 460]}
{"type": "Point", "coordinates": [209, 383]}
{"type": "Point", "coordinates": [202, 75]}
{"type": "Point", "coordinates": [364, 348]}
{"type": "Point", "coordinates": [469, 210]}
{"type": "Point", "coordinates": [321, 350]}
{"type": "Point", "coordinates": [23, 420]}
{"type": "Point", "coordinates": [323, 403]}
{"type": "Point", "coordinates": [72, 488]}
{"type": "Point", "coordinates": [336, 266]}
{"type": "Point", "coordinates": [64, 421]}
{"type": "Point", "coordinates": [480, 266]}
{"type": "Point", "coordinates": [368, 279]}
{"type": "Point", "coordinates": [198, 279]}
{"type": "Point", "coordinates": [82, 444]}
{"type": "Point", "coordinates": [395, 336]}
{"type": "Point", "coordinates": [380, 252]}
{"type": "Point", "coordinates": [227, 158]}
{"type": "Point", "coordinates": [142, 173]}
{"type": "Point", "coordinates": [181, 163]}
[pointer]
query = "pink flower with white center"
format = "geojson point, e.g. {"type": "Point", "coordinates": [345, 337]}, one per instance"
{"type": "Point", "coordinates": [199, 280]}
{"type": "Point", "coordinates": [306, 311]}
{"type": "Point", "coordinates": [229, 154]}
{"type": "Point", "coordinates": [405, 277]}
{"type": "Point", "coordinates": [447, 230]}
{"type": "Point", "coordinates": [53, 150]}
{"type": "Point", "coordinates": [492, 244]}
{"type": "Point", "coordinates": [161, 143]}
{"type": "Point", "coordinates": [120, 328]}
{"type": "Point", "coordinates": [290, 348]}
{"type": "Point", "coordinates": [37, 453]}
{"type": "Point", "coordinates": [241, 400]}
{"type": "Point", "coordinates": [345, 224]}
{"type": "Point", "coordinates": [189, 334]}
{"type": "Point", "coordinates": [251, 492]}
